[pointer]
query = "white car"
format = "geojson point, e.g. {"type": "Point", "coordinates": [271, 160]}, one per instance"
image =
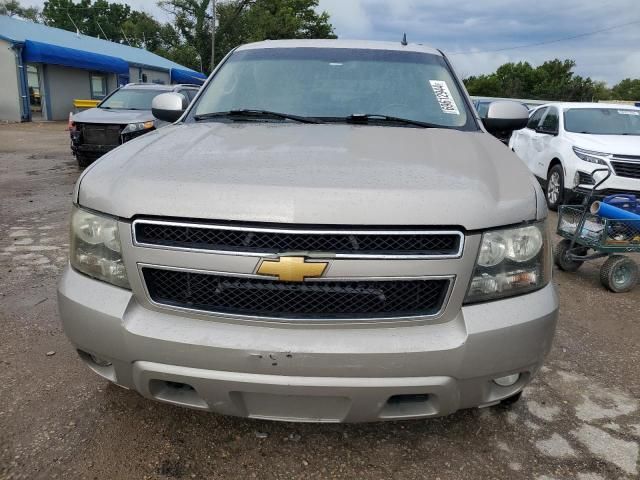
{"type": "Point", "coordinates": [564, 143]}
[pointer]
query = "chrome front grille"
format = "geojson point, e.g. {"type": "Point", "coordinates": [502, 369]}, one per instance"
{"type": "Point", "coordinates": [626, 169]}
{"type": "Point", "coordinates": [266, 241]}
{"type": "Point", "coordinates": [320, 299]}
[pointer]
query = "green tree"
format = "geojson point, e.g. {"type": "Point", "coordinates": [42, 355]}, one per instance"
{"type": "Point", "coordinates": [116, 22]}
{"type": "Point", "coordinates": [241, 21]}
{"type": "Point", "coordinates": [13, 8]}
{"type": "Point", "coordinates": [601, 91]}
{"type": "Point", "coordinates": [192, 23]}
{"type": "Point", "coordinates": [627, 89]}
{"type": "Point", "coordinates": [553, 80]}
{"type": "Point", "coordinates": [66, 14]}
{"type": "Point", "coordinates": [483, 85]}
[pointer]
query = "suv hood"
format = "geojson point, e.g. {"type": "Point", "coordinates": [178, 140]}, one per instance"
{"type": "Point", "coordinates": [313, 174]}
{"type": "Point", "coordinates": [615, 144]}
{"type": "Point", "coordinates": [121, 117]}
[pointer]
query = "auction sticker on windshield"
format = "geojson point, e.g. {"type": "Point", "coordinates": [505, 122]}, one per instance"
{"type": "Point", "coordinates": [446, 101]}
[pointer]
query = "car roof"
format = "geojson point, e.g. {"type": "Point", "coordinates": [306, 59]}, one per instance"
{"type": "Point", "coordinates": [347, 44]}
{"type": "Point", "coordinates": [567, 105]}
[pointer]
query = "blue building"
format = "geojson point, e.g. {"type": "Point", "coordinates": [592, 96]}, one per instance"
{"type": "Point", "coordinates": [43, 69]}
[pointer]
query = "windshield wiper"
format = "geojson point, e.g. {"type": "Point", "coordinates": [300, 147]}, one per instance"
{"type": "Point", "coordinates": [367, 117]}
{"type": "Point", "coordinates": [250, 113]}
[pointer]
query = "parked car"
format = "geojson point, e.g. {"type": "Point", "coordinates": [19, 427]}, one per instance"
{"type": "Point", "coordinates": [326, 234]}
{"type": "Point", "coordinates": [563, 143]}
{"type": "Point", "coordinates": [122, 116]}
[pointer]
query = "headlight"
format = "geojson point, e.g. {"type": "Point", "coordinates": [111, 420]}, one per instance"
{"type": "Point", "coordinates": [591, 157]}
{"type": "Point", "coordinates": [95, 247]}
{"type": "Point", "coordinates": [136, 127]}
{"type": "Point", "coordinates": [511, 262]}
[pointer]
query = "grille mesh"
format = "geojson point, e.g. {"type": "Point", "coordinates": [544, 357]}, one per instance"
{"type": "Point", "coordinates": [98, 134]}
{"type": "Point", "coordinates": [624, 169]}
{"type": "Point", "coordinates": [314, 300]}
{"type": "Point", "coordinates": [196, 237]}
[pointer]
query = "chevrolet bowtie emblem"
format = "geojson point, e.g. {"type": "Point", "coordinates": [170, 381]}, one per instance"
{"type": "Point", "coordinates": [291, 269]}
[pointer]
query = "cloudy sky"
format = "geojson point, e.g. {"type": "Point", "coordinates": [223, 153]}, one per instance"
{"type": "Point", "coordinates": [483, 26]}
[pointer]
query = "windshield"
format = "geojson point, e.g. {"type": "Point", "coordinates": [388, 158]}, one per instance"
{"type": "Point", "coordinates": [602, 121]}
{"type": "Point", "coordinates": [131, 99]}
{"type": "Point", "coordinates": [334, 83]}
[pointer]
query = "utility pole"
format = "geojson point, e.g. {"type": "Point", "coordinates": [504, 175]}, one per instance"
{"type": "Point", "coordinates": [213, 34]}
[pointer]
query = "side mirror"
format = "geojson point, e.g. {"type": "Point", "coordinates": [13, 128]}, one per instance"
{"type": "Point", "coordinates": [169, 107]}
{"type": "Point", "coordinates": [505, 116]}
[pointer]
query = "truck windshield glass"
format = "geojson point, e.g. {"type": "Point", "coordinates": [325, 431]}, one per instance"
{"type": "Point", "coordinates": [602, 121]}
{"type": "Point", "coordinates": [331, 84]}
{"type": "Point", "coordinates": [131, 99]}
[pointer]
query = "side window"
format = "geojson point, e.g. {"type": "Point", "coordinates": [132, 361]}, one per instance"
{"type": "Point", "coordinates": [551, 121]}
{"type": "Point", "coordinates": [189, 93]}
{"type": "Point", "coordinates": [193, 93]}
{"type": "Point", "coordinates": [534, 120]}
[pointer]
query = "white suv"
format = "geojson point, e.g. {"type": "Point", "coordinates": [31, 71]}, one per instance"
{"type": "Point", "coordinates": [564, 143]}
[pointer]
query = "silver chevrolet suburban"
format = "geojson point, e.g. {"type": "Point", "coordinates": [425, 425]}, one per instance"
{"type": "Point", "coordinates": [328, 233]}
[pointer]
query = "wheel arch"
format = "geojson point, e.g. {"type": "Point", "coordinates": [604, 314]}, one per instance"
{"type": "Point", "coordinates": [553, 163]}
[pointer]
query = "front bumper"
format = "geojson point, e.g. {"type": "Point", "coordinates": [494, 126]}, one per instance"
{"type": "Point", "coordinates": [78, 147]}
{"type": "Point", "coordinates": [309, 373]}
{"type": "Point", "coordinates": [615, 184]}
{"type": "Point", "coordinates": [94, 151]}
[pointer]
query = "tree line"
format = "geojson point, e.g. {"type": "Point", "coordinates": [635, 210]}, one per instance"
{"type": "Point", "coordinates": [187, 38]}
{"type": "Point", "coordinates": [553, 80]}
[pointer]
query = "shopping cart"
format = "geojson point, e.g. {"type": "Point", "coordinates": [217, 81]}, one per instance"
{"type": "Point", "coordinates": [588, 236]}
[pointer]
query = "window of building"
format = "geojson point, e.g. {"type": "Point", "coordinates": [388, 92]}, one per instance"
{"type": "Point", "coordinates": [98, 86]}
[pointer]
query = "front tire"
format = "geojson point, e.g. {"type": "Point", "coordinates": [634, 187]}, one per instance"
{"type": "Point", "coordinates": [619, 274]}
{"type": "Point", "coordinates": [83, 161]}
{"type": "Point", "coordinates": [562, 261]}
{"type": "Point", "coordinates": [555, 187]}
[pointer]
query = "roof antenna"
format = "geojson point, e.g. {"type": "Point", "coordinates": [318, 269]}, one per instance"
{"type": "Point", "coordinates": [74, 24]}
{"type": "Point", "coordinates": [404, 40]}
{"type": "Point", "coordinates": [100, 27]}
{"type": "Point", "coordinates": [125, 36]}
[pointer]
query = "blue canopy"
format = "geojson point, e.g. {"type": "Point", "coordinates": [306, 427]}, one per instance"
{"type": "Point", "coordinates": [187, 76]}
{"type": "Point", "coordinates": [38, 52]}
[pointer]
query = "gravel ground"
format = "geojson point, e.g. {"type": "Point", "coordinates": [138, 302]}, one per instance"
{"type": "Point", "coordinates": [578, 420]}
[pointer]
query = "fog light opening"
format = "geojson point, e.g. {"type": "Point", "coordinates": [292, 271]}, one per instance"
{"type": "Point", "coordinates": [176, 392]}
{"type": "Point", "coordinates": [507, 381]}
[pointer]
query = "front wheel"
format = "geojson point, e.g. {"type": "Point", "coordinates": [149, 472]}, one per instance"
{"type": "Point", "coordinates": [619, 274]}
{"type": "Point", "coordinates": [555, 187]}
{"type": "Point", "coordinates": [561, 259]}
{"type": "Point", "coordinates": [83, 161]}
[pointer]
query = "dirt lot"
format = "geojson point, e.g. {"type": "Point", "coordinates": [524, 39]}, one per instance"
{"type": "Point", "coordinates": [578, 420]}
